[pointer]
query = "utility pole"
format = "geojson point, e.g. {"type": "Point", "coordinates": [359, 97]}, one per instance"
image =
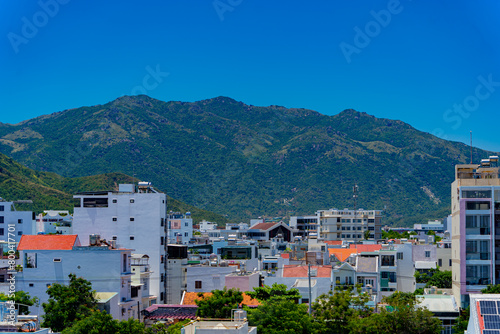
{"type": "Point", "coordinates": [310, 294]}
{"type": "Point", "coordinates": [471, 147]}
{"type": "Point", "coordinates": [355, 196]}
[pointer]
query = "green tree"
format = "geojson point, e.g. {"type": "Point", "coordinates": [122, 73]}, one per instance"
{"type": "Point", "coordinates": [219, 304]}
{"type": "Point", "coordinates": [462, 321]}
{"type": "Point", "coordinates": [402, 316]}
{"type": "Point", "coordinates": [281, 316]}
{"type": "Point", "coordinates": [102, 323]}
{"type": "Point", "coordinates": [174, 329]}
{"type": "Point", "coordinates": [96, 323]}
{"type": "Point", "coordinates": [22, 299]}
{"type": "Point", "coordinates": [335, 311]}
{"type": "Point", "coordinates": [435, 277]}
{"type": "Point", "coordinates": [68, 303]}
{"type": "Point", "coordinates": [275, 291]}
{"type": "Point", "coordinates": [491, 288]}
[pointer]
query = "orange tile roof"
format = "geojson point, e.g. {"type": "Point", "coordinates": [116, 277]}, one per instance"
{"type": "Point", "coordinates": [366, 248]}
{"type": "Point", "coordinates": [48, 242]}
{"type": "Point", "coordinates": [342, 253]}
{"type": "Point", "coordinates": [263, 226]}
{"type": "Point", "coordinates": [333, 242]}
{"type": "Point", "coordinates": [302, 271]}
{"type": "Point", "coordinates": [190, 297]}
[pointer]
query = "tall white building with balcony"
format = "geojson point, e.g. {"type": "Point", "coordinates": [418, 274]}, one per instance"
{"type": "Point", "coordinates": [475, 207]}
{"type": "Point", "coordinates": [349, 224]}
{"type": "Point", "coordinates": [134, 217]}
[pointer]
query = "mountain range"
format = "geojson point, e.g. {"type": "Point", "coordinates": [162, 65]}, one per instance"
{"type": "Point", "coordinates": [244, 161]}
{"type": "Point", "coordinates": [49, 191]}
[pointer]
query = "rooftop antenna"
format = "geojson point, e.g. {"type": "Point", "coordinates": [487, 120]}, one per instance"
{"type": "Point", "coordinates": [471, 147]}
{"type": "Point", "coordinates": [355, 196]}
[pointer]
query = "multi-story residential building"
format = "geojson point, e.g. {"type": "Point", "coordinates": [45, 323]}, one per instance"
{"type": "Point", "coordinates": [304, 225]}
{"type": "Point", "coordinates": [13, 223]}
{"type": "Point", "coordinates": [176, 273]}
{"type": "Point", "coordinates": [134, 217]}
{"type": "Point", "coordinates": [180, 228]}
{"type": "Point", "coordinates": [49, 259]}
{"type": "Point", "coordinates": [475, 207]}
{"type": "Point", "coordinates": [140, 280]}
{"type": "Point", "coordinates": [349, 224]}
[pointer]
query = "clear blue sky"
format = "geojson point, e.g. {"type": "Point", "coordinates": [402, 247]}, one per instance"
{"type": "Point", "coordinates": [414, 64]}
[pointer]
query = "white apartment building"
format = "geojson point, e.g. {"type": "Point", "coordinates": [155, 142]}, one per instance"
{"type": "Point", "coordinates": [180, 228]}
{"type": "Point", "coordinates": [349, 224]}
{"type": "Point", "coordinates": [304, 224]}
{"type": "Point", "coordinates": [13, 223]}
{"type": "Point", "coordinates": [49, 259]}
{"type": "Point", "coordinates": [134, 217]}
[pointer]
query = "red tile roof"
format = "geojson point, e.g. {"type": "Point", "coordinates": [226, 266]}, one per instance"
{"type": "Point", "coordinates": [366, 248]}
{"type": "Point", "coordinates": [48, 242]}
{"type": "Point", "coordinates": [263, 226]}
{"type": "Point", "coordinates": [342, 253]}
{"type": "Point", "coordinates": [333, 242]}
{"type": "Point", "coordinates": [301, 271]}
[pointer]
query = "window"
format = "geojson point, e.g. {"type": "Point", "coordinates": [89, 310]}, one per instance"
{"type": "Point", "coordinates": [162, 221]}
{"type": "Point", "coordinates": [161, 296]}
{"type": "Point", "coordinates": [115, 237]}
{"type": "Point", "coordinates": [440, 262]}
{"type": "Point", "coordinates": [19, 232]}
{"type": "Point", "coordinates": [161, 259]}
{"type": "Point", "coordinates": [400, 256]}
{"type": "Point", "coordinates": [132, 237]}
{"type": "Point", "coordinates": [162, 240]}
{"type": "Point", "coordinates": [186, 224]}
{"type": "Point", "coordinates": [391, 276]}
{"type": "Point", "coordinates": [477, 206]}
{"type": "Point", "coordinates": [114, 200]}
{"type": "Point", "coordinates": [387, 260]}
{"type": "Point", "coordinates": [1, 219]}
{"type": "Point", "coordinates": [19, 221]}
{"type": "Point", "coordinates": [186, 234]}
{"type": "Point", "coordinates": [132, 219]}
{"type": "Point", "coordinates": [305, 300]}
{"type": "Point", "coordinates": [115, 219]}
{"type": "Point", "coordinates": [427, 253]}
{"type": "Point", "coordinates": [2, 208]}
{"type": "Point", "coordinates": [31, 285]}
{"type": "Point", "coordinates": [132, 200]}
{"type": "Point", "coordinates": [162, 277]}
{"type": "Point", "coordinates": [57, 260]}
{"type": "Point", "coordinates": [124, 263]}
{"type": "Point", "coordinates": [450, 262]}
{"type": "Point", "coordinates": [476, 194]}
{"type": "Point", "coordinates": [95, 202]}
{"type": "Point", "coordinates": [197, 284]}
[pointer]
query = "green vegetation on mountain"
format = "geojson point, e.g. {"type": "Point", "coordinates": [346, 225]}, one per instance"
{"type": "Point", "coordinates": [246, 161]}
{"type": "Point", "coordinates": [49, 191]}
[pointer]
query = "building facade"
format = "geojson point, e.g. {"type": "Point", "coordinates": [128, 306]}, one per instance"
{"type": "Point", "coordinates": [475, 206]}
{"type": "Point", "coordinates": [13, 223]}
{"type": "Point", "coordinates": [134, 217]}
{"type": "Point", "coordinates": [349, 224]}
